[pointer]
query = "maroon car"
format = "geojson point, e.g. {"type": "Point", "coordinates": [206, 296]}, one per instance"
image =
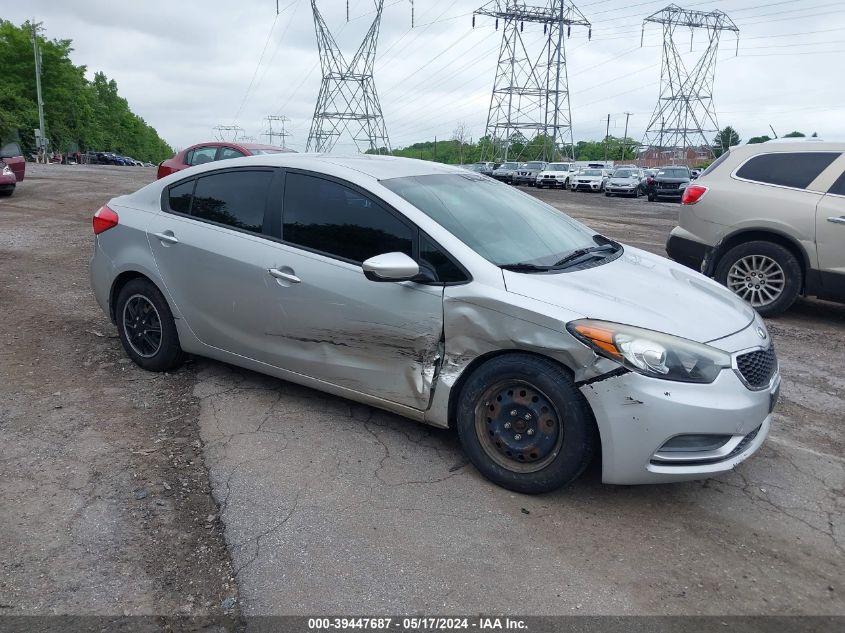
{"type": "Point", "coordinates": [12, 168]}
{"type": "Point", "coordinates": [215, 150]}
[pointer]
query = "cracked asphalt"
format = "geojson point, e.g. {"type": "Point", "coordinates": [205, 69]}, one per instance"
{"type": "Point", "coordinates": [327, 506]}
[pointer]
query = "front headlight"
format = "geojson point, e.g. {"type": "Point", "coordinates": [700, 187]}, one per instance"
{"type": "Point", "coordinates": [7, 171]}
{"type": "Point", "coordinates": [651, 353]}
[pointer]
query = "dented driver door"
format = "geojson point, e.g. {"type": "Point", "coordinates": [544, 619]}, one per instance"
{"type": "Point", "coordinates": [378, 338]}
{"type": "Point", "coordinates": [330, 321]}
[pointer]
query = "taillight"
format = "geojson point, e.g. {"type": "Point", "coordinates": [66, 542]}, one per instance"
{"type": "Point", "coordinates": [104, 219]}
{"type": "Point", "coordinates": [693, 193]}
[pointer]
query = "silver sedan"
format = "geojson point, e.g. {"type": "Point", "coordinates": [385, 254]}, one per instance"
{"type": "Point", "coordinates": [448, 298]}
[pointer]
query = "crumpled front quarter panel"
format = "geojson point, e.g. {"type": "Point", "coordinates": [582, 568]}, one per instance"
{"type": "Point", "coordinates": [480, 320]}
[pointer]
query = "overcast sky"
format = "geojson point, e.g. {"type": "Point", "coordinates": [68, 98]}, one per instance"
{"type": "Point", "coordinates": [188, 65]}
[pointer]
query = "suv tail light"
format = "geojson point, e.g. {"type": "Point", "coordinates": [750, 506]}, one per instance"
{"type": "Point", "coordinates": [693, 193]}
{"type": "Point", "coordinates": [104, 219]}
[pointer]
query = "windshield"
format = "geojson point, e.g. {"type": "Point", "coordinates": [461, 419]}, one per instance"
{"type": "Point", "coordinates": [499, 223]}
{"type": "Point", "coordinates": [677, 172]}
{"type": "Point", "coordinates": [534, 165]}
{"type": "Point", "coordinates": [558, 167]}
{"type": "Point", "coordinates": [508, 166]}
{"type": "Point", "coordinates": [623, 173]}
{"type": "Point", "coordinates": [591, 172]}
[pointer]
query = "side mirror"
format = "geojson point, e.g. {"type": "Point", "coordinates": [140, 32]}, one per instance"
{"type": "Point", "coordinates": [390, 267]}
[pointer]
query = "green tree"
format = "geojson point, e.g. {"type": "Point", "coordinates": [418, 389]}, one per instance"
{"type": "Point", "coordinates": [89, 115]}
{"type": "Point", "coordinates": [758, 139]}
{"type": "Point", "coordinates": [795, 134]}
{"type": "Point", "coordinates": [724, 140]}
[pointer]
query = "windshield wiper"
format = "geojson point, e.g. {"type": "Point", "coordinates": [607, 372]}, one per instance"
{"type": "Point", "coordinates": [522, 267]}
{"type": "Point", "coordinates": [580, 253]}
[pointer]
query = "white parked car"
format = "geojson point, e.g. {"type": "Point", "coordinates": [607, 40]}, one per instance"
{"type": "Point", "coordinates": [588, 180]}
{"type": "Point", "coordinates": [555, 175]}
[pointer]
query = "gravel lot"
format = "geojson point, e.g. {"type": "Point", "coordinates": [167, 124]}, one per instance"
{"type": "Point", "coordinates": [124, 491]}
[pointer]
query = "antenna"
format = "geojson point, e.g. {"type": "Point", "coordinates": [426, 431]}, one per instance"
{"type": "Point", "coordinates": [531, 91]}
{"type": "Point", "coordinates": [348, 101]}
{"type": "Point", "coordinates": [684, 119]}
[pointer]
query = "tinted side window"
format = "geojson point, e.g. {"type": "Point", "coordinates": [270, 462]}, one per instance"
{"type": "Point", "coordinates": [234, 198]}
{"type": "Point", "coordinates": [839, 186]}
{"type": "Point", "coordinates": [797, 169]}
{"type": "Point", "coordinates": [444, 267]}
{"type": "Point", "coordinates": [179, 197]}
{"type": "Point", "coordinates": [201, 155]}
{"type": "Point", "coordinates": [334, 219]}
{"type": "Point", "coordinates": [230, 152]}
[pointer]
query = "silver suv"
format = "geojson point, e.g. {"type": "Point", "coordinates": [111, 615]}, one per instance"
{"type": "Point", "coordinates": [768, 221]}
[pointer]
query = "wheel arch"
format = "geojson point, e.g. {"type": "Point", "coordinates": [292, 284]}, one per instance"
{"type": "Point", "coordinates": [765, 235]}
{"type": "Point", "coordinates": [124, 278]}
{"type": "Point", "coordinates": [458, 385]}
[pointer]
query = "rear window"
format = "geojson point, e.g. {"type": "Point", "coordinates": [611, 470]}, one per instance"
{"type": "Point", "coordinates": [787, 169]}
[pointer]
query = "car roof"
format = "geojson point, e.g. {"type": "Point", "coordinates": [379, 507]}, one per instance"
{"type": "Point", "coordinates": [342, 166]}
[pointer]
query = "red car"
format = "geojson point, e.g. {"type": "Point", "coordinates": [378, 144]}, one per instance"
{"type": "Point", "coordinates": [215, 150]}
{"type": "Point", "coordinates": [12, 168]}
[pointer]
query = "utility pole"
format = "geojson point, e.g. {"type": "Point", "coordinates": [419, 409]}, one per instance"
{"type": "Point", "coordinates": [625, 136]}
{"type": "Point", "coordinates": [42, 143]}
{"type": "Point", "coordinates": [606, 135]}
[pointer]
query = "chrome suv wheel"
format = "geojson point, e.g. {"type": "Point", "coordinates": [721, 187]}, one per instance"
{"type": "Point", "coordinates": [766, 275]}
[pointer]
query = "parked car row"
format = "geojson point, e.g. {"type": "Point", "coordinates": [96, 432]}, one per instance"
{"type": "Point", "coordinates": [110, 158]}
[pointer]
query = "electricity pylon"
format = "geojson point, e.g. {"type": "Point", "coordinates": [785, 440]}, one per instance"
{"type": "Point", "coordinates": [227, 132]}
{"type": "Point", "coordinates": [270, 133]}
{"type": "Point", "coordinates": [531, 90]}
{"type": "Point", "coordinates": [684, 119]}
{"type": "Point", "coordinates": [348, 100]}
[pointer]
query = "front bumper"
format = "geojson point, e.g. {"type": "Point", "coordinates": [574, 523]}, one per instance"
{"type": "Point", "coordinates": [529, 179]}
{"type": "Point", "coordinates": [637, 415]}
{"type": "Point", "coordinates": [628, 190]}
{"type": "Point", "coordinates": [586, 186]}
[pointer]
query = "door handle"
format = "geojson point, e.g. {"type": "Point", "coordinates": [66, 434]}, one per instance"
{"type": "Point", "coordinates": [278, 274]}
{"type": "Point", "coordinates": [167, 236]}
{"type": "Point", "coordinates": [837, 219]}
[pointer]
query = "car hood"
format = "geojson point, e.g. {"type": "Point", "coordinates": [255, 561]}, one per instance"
{"type": "Point", "coordinates": [644, 290]}
{"type": "Point", "coordinates": [624, 181]}
{"type": "Point", "coordinates": [554, 173]}
{"type": "Point", "coordinates": [590, 177]}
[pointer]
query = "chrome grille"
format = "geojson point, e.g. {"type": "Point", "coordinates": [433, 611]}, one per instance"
{"type": "Point", "coordinates": [757, 367]}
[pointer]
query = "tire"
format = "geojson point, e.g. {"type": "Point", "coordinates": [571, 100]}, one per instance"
{"type": "Point", "coordinates": [556, 449]}
{"type": "Point", "coordinates": [140, 297]}
{"type": "Point", "coordinates": [607, 194]}
{"type": "Point", "coordinates": [539, 186]}
{"type": "Point", "coordinates": [651, 197]}
{"type": "Point", "coordinates": [782, 277]}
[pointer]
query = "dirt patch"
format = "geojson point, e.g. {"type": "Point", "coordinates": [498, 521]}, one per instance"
{"type": "Point", "coordinates": [106, 502]}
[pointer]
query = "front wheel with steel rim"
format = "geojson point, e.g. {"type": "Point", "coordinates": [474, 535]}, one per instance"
{"type": "Point", "coordinates": [146, 327]}
{"type": "Point", "coordinates": [524, 424]}
{"type": "Point", "coordinates": [764, 274]}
